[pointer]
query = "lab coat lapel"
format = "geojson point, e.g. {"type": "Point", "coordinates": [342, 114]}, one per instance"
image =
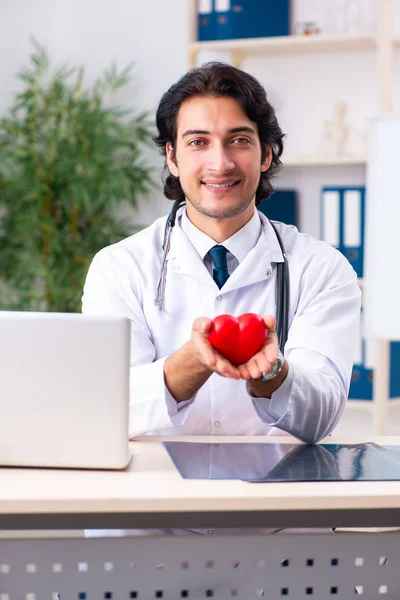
{"type": "Point", "coordinates": [185, 260]}
{"type": "Point", "coordinates": [257, 265]}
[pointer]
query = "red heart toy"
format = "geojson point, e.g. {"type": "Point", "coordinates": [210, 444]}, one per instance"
{"type": "Point", "coordinates": [238, 339]}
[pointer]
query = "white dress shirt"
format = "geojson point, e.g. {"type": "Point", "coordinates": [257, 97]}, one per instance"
{"type": "Point", "coordinates": [238, 245]}
{"type": "Point", "coordinates": [323, 322]}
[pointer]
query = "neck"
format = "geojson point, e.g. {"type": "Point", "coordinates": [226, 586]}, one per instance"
{"type": "Point", "coordinates": [219, 229]}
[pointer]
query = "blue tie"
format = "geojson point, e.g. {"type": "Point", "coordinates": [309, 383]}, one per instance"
{"type": "Point", "coordinates": [220, 272]}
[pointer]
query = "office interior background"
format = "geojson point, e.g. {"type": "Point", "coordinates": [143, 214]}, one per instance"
{"type": "Point", "coordinates": [328, 77]}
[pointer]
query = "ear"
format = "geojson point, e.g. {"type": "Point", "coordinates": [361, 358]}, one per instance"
{"type": "Point", "coordinates": [265, 165]}
{"type": "Point", "coordinates": [173, 167]}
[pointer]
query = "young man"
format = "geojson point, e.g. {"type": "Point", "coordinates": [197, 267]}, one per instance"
{"type": "Point", "coordinates": [222, 144]}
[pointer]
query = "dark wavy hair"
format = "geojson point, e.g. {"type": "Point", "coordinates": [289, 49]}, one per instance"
{"type": "Point", "coordinates": [220, 80]}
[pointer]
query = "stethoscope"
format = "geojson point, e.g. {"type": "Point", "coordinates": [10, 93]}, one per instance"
{"type": "Point", "coordinates": [282, 277]}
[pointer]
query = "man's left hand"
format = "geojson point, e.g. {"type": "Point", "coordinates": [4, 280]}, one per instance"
{"type": "Point", "coordinates": [261, 361]}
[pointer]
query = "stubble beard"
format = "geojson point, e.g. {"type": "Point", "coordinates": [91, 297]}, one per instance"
{"type": "Point", "coordinates": [220, 212]}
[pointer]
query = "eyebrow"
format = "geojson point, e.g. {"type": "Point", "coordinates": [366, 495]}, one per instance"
{"type": "Point", "coordinates": [243, 129]}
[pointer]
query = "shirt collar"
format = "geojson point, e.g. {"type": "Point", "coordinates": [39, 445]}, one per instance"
{"type": "Point", "coordinates": [239, 244]}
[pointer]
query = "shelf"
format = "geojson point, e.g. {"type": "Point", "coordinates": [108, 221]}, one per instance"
{"type": "Point", "coordinates": [291, 43]}
{"type": "Point", "coordinates": [323, 161]}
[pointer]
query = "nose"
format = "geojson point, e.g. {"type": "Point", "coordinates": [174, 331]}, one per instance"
{"type": "Point", "coordinates": [220, 159]}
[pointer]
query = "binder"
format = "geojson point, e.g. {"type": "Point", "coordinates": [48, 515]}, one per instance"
{"type": "Point", "coordinates": [358, 358]}
{"type": "Point", "coordinates": [205, 20]}
{"type": "Point", "coordinates": [343, 226]}
{"type": "Point", "coordinates": [361, 384]}
{"type": "Point", "coordinates": [330, 217]}
{"type": "Point", "coordinates": [361, 387]}
{"type": "Point", "coordinates": [238, 19]}
{"type": "Point", "coordinates": [353, 228]}
{"type": "Point", "coordinates": [281, 206]}
{"type": "Point", "coordinates": [370, 363]}
{"type": "Point", "coordinates": [342, 222]}
{"type": "Point", "coordinates": [223, 20]}
{"type": "Point", "coordinates": [395, 370]}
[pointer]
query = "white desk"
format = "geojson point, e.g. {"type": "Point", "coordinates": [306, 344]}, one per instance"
{"type": "Point", "coordinates": [151, 494]}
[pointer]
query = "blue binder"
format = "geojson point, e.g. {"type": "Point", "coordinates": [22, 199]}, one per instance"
{"type": "Point", "coordinates": [281, 206]}
{"type": "Point", "coordinates": [330, 217]}
{"type": "Point", "coordinates": [353, 247]}
{"type": "Point", "coordinates": [205, 20]}
{"type": "Point", "coordinates": [361, 386]}
{"type": "Point", "coordinates": [238, 19]}
{"type": "Point", "coordinates": [395, 370]}
{"type": "Point", "coordinates": [351, 223]}
{"type": "Point", "coordinates": [361, 383]}
{"type": "Point", "coordinates": [223, 19]}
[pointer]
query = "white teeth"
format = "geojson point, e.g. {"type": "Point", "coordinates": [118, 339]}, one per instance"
{"type": "Point", "coordinates": [220, 185]}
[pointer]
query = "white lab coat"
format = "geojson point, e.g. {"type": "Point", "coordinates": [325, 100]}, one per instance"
{"type": "Point", "coordinates": [323, 324]}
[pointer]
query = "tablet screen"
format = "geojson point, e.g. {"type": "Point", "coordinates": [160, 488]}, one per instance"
{"type": "Point", "coordinates": [265, 462]}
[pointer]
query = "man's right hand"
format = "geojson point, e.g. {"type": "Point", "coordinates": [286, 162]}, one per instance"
{"type": "Point", "coordinates": [187, 369]}
{"type": "Point", "coordinates": [206, 353]}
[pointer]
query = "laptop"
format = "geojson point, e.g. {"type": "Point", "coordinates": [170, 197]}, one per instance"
{"type": "Point", "coordinates": [64, 390]}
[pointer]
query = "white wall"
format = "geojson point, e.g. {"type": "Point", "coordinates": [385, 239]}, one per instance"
{"type": "Point", "coordinates": [153, 33]}
{"type": "Point", "coordinates": [19, 19]}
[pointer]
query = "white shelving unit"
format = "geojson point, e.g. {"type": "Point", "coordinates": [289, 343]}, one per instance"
{"type": "Point", "coordinates": [384, 43]}
{"type": "Point", "coordinates": [289, 44]}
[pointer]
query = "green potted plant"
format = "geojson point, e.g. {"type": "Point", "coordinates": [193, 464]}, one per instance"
{"type": "Point", "coordinates": [67, 161]}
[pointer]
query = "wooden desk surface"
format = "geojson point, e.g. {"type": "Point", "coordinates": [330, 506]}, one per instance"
{"type": "Point", "coordinates": [152, 485]}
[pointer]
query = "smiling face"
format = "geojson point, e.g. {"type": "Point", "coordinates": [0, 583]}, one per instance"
{"type": "Point", "coordinates": [218, 160]}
